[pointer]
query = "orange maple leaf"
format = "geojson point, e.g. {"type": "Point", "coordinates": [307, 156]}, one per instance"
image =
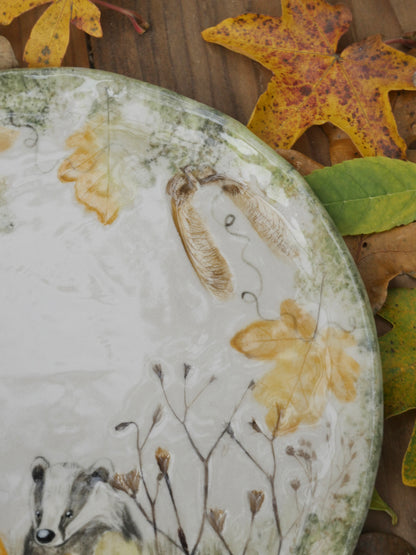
{"type": "Point", "coordinates": [308, 365]}
{"type": "Point", "coordinates": [49, 38]}
{"type": "Point", "coordinates": [104, 183]}
{"type": "Point", "coordinates": [312, 83]}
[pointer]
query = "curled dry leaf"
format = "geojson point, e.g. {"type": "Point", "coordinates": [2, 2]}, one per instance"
{"type": "Point", "coordinates": [382, 256]}
{"type": "Point", "coordinates": [341, 147]}
{"type": "Point", "coordinates": [7, 57]}
{"type": "Point", "coordinates": [404, 109]}
{"type": "Point", "coordinates": [312, 83]}
{"type": "Point", "coordinates": [307, 365]}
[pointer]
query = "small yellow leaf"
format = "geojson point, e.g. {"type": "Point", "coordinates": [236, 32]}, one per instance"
{"type": "Point", "coordinates": [49, 38]}
{"type": "Point", "coordinates": [86, 16]}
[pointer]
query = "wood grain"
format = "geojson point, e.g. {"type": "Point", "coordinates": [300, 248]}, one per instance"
{"type": "Point", "coordinates": [172, 54]}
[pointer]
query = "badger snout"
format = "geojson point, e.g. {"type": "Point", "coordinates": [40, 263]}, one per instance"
{"type": "Point", "coordinates": [44, 535]}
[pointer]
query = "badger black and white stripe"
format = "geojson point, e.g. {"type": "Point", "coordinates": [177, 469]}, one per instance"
{"type": "Point", "coordinates": [72, 507]}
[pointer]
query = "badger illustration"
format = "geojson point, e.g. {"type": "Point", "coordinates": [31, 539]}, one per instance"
{"type": "Point", "coordinates": [72, 507]}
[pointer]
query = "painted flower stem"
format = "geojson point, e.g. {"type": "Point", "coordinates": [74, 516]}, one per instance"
{"type": "Point", "coordinates": [139, 24]}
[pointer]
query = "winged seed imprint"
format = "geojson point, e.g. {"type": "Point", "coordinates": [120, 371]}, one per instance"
{"type": "Point", "coordinates": [205, 257]}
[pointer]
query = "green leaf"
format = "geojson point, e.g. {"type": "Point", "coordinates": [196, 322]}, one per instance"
{"type": "Point", "coordinates": [377, 504]}
{"type": "Point", "coordinates": [398, 357]}
{"type": "Point", "coordinates": [367, 195]}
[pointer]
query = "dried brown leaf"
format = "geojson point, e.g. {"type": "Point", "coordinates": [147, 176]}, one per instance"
{"type": "Point", "coordinates": [382, 256]}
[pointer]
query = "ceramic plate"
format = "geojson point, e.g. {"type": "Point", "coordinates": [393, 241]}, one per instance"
{"type": "Point", "coordinates": [189, 363]}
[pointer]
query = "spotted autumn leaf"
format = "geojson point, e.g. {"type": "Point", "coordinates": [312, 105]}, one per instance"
{"type": "Point", "coordinates": [49, 38]}
{"type": "Point", "coordinates": [313, 83]}
{"type": "Point", "coordinates": [308, 365]}
{"type": "Point", "coordinates": [103, 166]}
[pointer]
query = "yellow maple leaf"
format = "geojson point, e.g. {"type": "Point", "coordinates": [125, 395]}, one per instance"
{"type": "Point", "coordinates": [312, 83]}
{"type": "Point", "coordinates": [98, 166]}
{"type": "Point", "coordinates": [49, 38]}
{"type": "Point", "coordinates": [308, 366]}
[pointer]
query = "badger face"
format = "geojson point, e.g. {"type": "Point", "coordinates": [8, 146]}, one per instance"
{"type": "Point", "coordinates": [61, 499]}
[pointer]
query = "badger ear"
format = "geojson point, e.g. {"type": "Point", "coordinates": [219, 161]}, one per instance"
{"type": "Point", "coordinates": [101, 471]}
{"type": "Point", "coordinates": [39, 465]}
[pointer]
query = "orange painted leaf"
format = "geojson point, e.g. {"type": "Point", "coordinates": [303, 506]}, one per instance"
{"type": "Point", "coordinates": [382, 256]}
{"type": "Point", "coordinates": [49, 38]}
{"type": "Point", "coordinates": [103, 181]}
{"type": "Point", "coordinates": [308, 366]}
{"type": "Point", "coordinates": [3, 550]}
{"type": "Point", "coordinates": [312, 83]}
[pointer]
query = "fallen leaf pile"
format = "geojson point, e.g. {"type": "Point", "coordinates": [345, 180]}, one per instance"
{"type": "Point", "coordinates": [307, 366]}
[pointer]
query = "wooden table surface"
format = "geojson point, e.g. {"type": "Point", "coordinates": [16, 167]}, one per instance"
{"type": "Point", "coordinates": [172, 54]}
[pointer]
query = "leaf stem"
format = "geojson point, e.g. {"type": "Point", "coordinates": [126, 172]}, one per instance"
{"type": "Point", "coordinates": [139, 24]}
{"type": "Point", "coordinates": [409, 43]}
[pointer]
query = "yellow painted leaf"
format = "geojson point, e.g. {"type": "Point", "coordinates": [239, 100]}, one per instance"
{"type": "Point", "coordinates": [49, 38]}
{"type": "Point", "coordinates": [312, 83]}
{"type": "Point", "coordinates": [103, 181]}
{"type": "Point", "coordinates": [309, 365]}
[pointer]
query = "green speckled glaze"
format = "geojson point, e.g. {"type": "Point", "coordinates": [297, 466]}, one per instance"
{"type": "Point", "coordinates": [116, 349]}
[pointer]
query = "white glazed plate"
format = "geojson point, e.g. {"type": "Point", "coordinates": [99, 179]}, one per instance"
{"type": "Point", "coordinates": [189, 363]}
